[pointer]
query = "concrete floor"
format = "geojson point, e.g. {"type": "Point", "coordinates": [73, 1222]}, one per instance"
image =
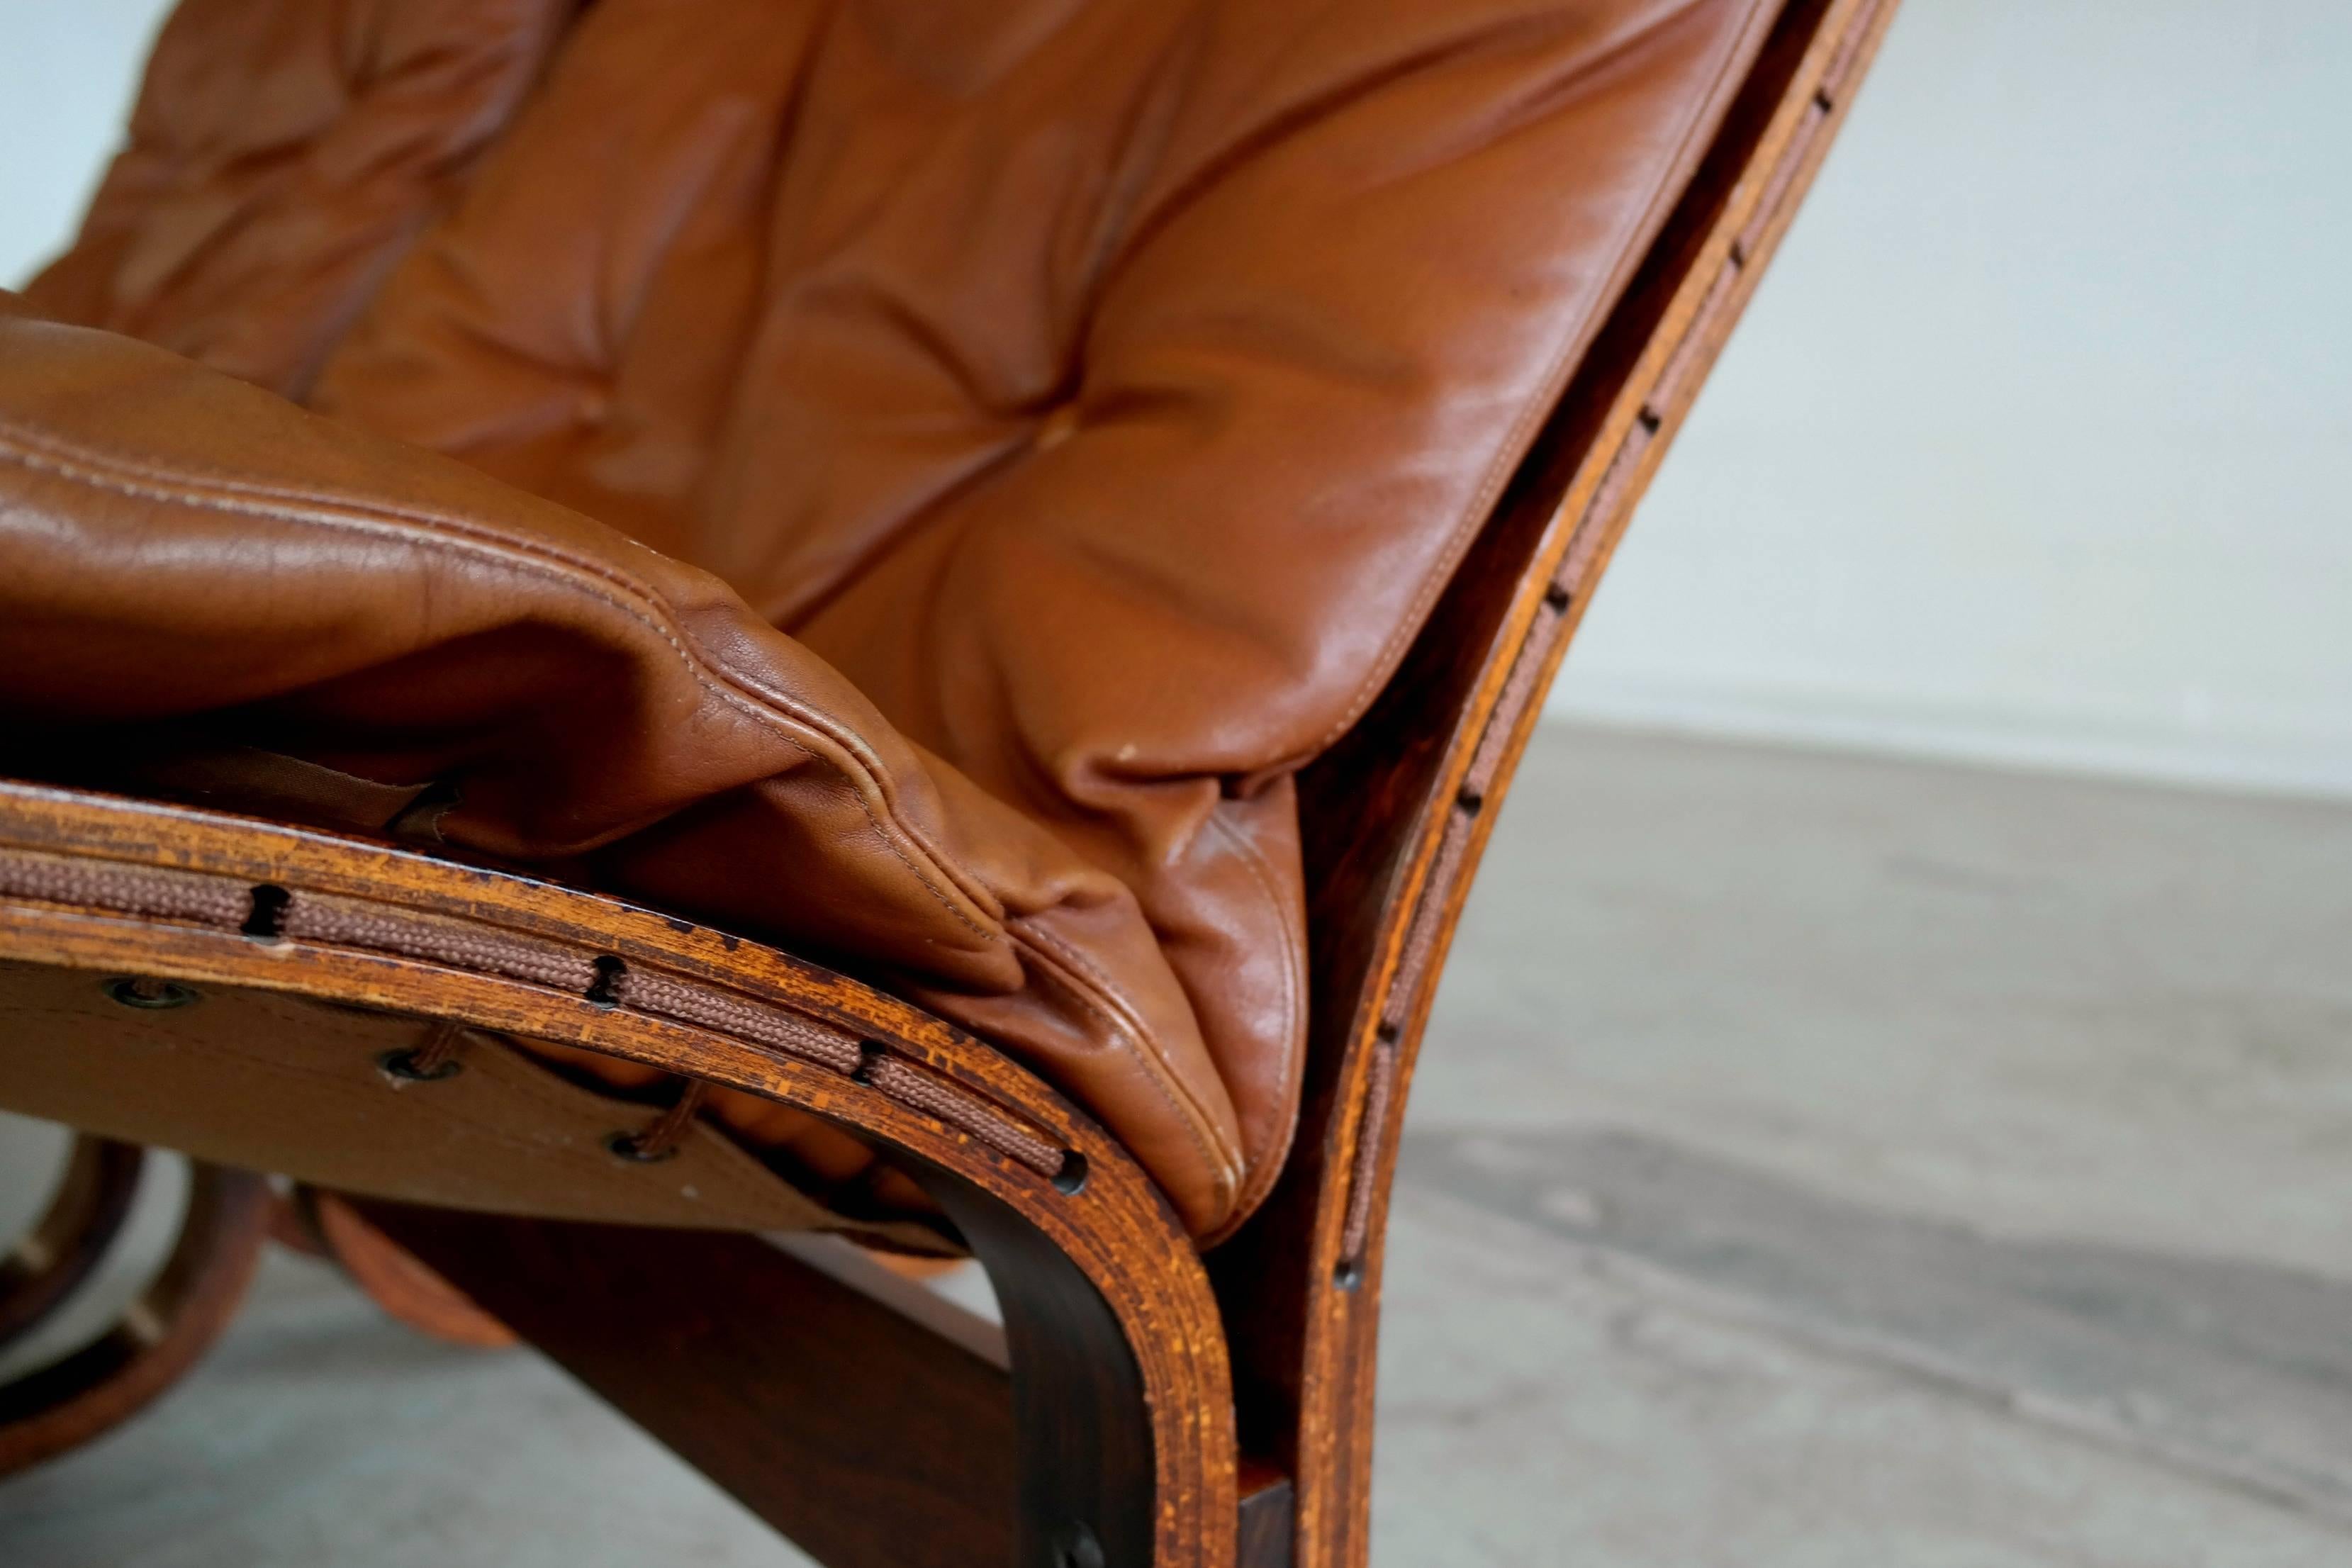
{"type": "Point", "coordinates": [1815, 1162]}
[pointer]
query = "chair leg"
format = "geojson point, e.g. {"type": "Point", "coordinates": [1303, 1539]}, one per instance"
{"type": "Point", "coordinates": [867, 1440]}
{"type": "Point", "coordinates": [870, 1439]}
{"type": "Point", "coordinates": [1084, 1426]}
{"type": "Point", "coordinates": [92, 1200]}
{"type": "Point", "coordinates": [858, 1422]}
{"type": "Point", "coordinates": [159, 1337]}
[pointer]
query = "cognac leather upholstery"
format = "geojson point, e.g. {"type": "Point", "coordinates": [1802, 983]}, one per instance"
{"type": "Point", "coordinates": [907, 479]}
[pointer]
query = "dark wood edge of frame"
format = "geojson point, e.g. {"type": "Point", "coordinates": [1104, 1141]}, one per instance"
{"type": "Point", "coordinates": [1398, 813]}
{"type": "Point", "coordinates": [115, 886]}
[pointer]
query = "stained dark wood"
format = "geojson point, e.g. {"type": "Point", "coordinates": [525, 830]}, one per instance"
{"type": "Point", "coordinates": [86, 1213]}
{"type": "Point", "coordinates": [1079, 1410]}
{"type": "Point", "coordinates": [865, 1434]}
{"type": "Point", "coordinates": [867, 1439]}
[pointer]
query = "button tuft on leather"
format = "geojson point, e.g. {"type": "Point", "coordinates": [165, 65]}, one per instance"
{"type": "Point", "coordinates": [1055, 427]}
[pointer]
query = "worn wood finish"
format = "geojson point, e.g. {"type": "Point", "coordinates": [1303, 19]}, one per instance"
{"type": "Point", "coordinates": [1112, 1229]}
{"type": "Point", "coordinates": [67, 1242]}
{"type": "Point", "coordinates": [158, 1336]}
{"type": "Point", "coordinates": [1078, 1401]}
{"type": "Point", "coordinates": [1396, 816]}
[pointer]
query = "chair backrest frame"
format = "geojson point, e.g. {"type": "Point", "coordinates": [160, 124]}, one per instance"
{"type": "Point", "coordinates": [1397, 815]}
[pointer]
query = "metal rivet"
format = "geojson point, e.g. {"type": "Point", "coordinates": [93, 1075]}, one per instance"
{"type": "Point", "coordinates": [144, 991]}
{"type": "Point", "coordinates": [1071, 1179]}
{"type": "Point", "coordinates": [1349, 1275]}
{"type": "Point", "coordinates": [402, 1065]}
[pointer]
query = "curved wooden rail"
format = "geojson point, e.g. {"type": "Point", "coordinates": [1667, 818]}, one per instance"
{"type": "Point", "coordinates": [69, 1241]}
{"type": "Point", "coordinates": [202, 899]}
{"type": "Point", "coordinates": [1397, 815]}
{"type": "Point", "coordinates": [172, 1321]}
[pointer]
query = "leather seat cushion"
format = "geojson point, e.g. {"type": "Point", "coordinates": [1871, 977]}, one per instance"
{"type": "Point", "coordinates": [1093, 394]}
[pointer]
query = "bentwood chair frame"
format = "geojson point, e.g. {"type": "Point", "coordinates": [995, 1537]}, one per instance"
{"type": "Point", "coordinates": [1142, 1403]}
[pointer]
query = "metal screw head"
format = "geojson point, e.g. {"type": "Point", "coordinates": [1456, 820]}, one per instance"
{"type": "Point", "coordinates": [146, 992]}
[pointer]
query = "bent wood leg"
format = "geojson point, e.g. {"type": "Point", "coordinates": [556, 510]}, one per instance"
{"type": "Point", "coordinates": [85, 1214]}
{"type": "Point", "coordinates": [868, 1436]}
{"type": "Point", "coordinates": [1082, 1415]}
{"type": "Point", "coordinates": [160, 1335]}
{"type": "Point", "coordinates": [1113, 1326]}
{"type": "Point", "coordinates": [868, 1439]}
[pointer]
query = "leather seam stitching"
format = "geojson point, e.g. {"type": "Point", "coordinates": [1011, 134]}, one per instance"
{"type": "Point", "coordinates": [1071, 971]}
{"type": "Point", "coordinates": [730, 688]}
{"type": "Point", "coordinates": [1270, 1163]}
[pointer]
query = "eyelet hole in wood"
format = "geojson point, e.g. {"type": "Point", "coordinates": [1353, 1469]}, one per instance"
{"type": "Point", "coordinates": [146, 992]}
{"type": "Point", "coordinates": [628, 1146]}
{"type": "Point", "coordinates": [401, 1066]}
{"type": "Point", "coordinates": [268, 921]}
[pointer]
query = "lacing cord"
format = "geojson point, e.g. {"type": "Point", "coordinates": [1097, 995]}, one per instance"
{"type": "Point", "coordinates": [268, 912]}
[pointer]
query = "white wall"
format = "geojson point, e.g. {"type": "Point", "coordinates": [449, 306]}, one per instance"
{"type": "Point", "coordinates": [67, 71]}
{"type": "Point", "coordinates": [2035, 445]}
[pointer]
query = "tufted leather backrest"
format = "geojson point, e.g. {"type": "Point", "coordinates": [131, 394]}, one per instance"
{"type": "Point", "coordinates": [1106, 387]}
